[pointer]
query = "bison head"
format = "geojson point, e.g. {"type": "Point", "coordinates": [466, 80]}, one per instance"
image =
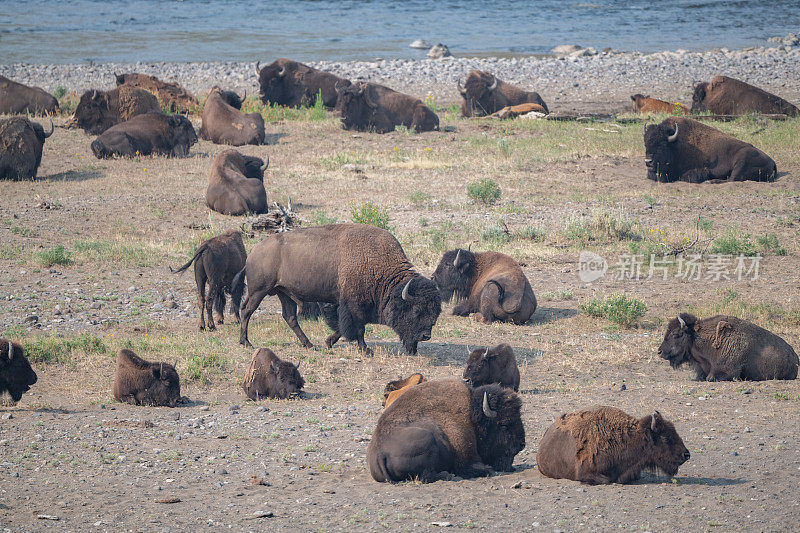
{"type": "Point", "coordinates": [121, 78]}
{"type": "Point", "coordinates": [273, 80]}
{"type": "Point", "coordinates": [454, 275]}
{"type": "Point", "coordinates": [233, 99]}
{"type": "Point", "coordinates": [165, 387]}
{"type": "Point", "coordinates": [183, 135]}
{"type": "Point", "coordinates": [699, 97]}
{"type": "Point", "coordinates": [16, 374]}
{"type": "Point", "coordinates": [660, 151]}
{"type": "Point", "coordinates": [483, 367]}
{"type": "Point", "coordinates": [666, 451]}
{"type": "Point", "coordinates": [254, 168]}
{"type": "Point", "coordinates": [477, 93]}
{"type": "Point", "coordinates": [288, 381]}
{"type": "Point", "coordinates": [412, 310]}
{"type": "Point", "coordinates": [678, 340]}
{"type": "Point", "coordinates": [354, 105]}
{"type": "Point", "coordinates": [92, 114]}
{"type": "Point", "coordinates": [495, 413]}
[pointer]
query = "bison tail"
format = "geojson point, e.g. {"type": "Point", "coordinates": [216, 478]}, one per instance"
{"type": "Point", "coordinates": [515, 305]}
{"type": "Point", "coordinates": [383, 468]}
{"type": "Point", "coordinates": [237, 285]}
{"type": "Point", "coordinates": [197, 253]}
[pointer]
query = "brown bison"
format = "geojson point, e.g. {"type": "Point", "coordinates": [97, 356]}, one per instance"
{"type": "Point", "coordinates": [605, 445]}
{"type": "Point", "coordinates": [236, 184]}
{"type": "Point", "coordinates": [371, 107]}
{"type": "Point", "coordinates": [171, 94]}
{"type": "Point", "coordinates": [728, 96]}
{"type": "Point", "coordinates": [19, 99]}
{"type": "Point", "coordinates": [361, 270]}
{"type": "Point", "coordinates": [98, 110]}
{"type": "Point", "coordinates": [224, 124]}
{"type": "Point", "coordinates": [446, 426]}
{"type": "Point", "coordinates": [492, 365]}
{"type": "Point", "coordinates": [16, 374]}
{"type": "Point", "coordinates": [724, 347]}
{"type": "Point", "coordinates": [217, 261]}
{"type": "Point", "coordinates": [269, 377]}
{"type": "Point", "coordinates": [394, 389]}
{"type": "Point", "coordinates": [644, 104]}
{"type": "Point", "coordinates": [148, 134]}
{"type": "Point", "coordinates": [293, 84]}
{"type": "Point", "coordinates": [484, 94]}
{"type": "Point", "coordinates": [489, 284]}
{"type": "Point", "coordinates": [21, 146]}
{"type": "Point", "coordinates": [682, 149]}
{"type": "Point", "coordinates": [140, 382]}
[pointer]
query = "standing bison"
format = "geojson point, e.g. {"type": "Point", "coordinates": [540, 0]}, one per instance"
{"type": "Point", "coordinates": [174, 97]}
{"type": "Point", "coordinates": [492, 365]}
{"type": "Point", "coordinates": [484, 94]}
{"type": "Point", "coordinates": [270, 377]}
{"type": "Point", "coordinates": [395, 389]}
{"type": "Point", "coordinates": [16, 374]}
{"type": "Point", "coordinates": [236, 184]}
{"type": "Point", "coordinates": [97, 110]}
{"type": "Point", "coordinates": [446, 426]}
{"type": "Point", "coordinates": [682, 149]}
{"type": "Point", "coordinates": [224, 124]}
{"type": "Point", "coordinates": [360, 269]}
{"type": "Point", "coordinates": [644, 104]}
{"type": "Point", "coordinates": [140, 382]}
{"type": "Point", "coordinates": [148, 134]}
{"type": "Point", "coordinates": [729, 96]}
{"type": "Point", "coordinates": [606, 445]}
{"type": "Point", "coordinates": [371, 107]}
{"type": "Point", "coordinates": [21, 146]}
{"type": "Point", "coordinates": [289, 83]}
{"type": "Point", "coordinates": [19, 99]}
{"type": "Point", "coordinates": [725, 347]}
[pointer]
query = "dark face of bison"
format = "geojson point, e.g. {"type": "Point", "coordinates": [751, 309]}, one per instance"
{"type": "Point", "coordinates": [660, 148]}
{"type": "Point", "coordinates": [92, 114]}
{"type": "Point", "coordinates": [272, 83]}
{"type": "Point", "coordinates": [254, 168]}
{"type": "Point", "coordinates": [495, 413]}
{"type": "Point", "coordinates": [699, 97]}
{"type": "Point", "coordinates": [16, 374]}
{"type": "Point", "coordinates": [165, 389]}
{"type": "Point", "coordinates": [476, 93]}
{"type": "Point", "coordinates": [288, 381]}
{"type": "Point", "coordinates": [668, 452]}
{"type": "Point", "coordinates": [354, 105]}
{"type": "Point", "coordinates": [183, 134]}
{"type": "Point", "coordinates": [454, 274]}
{"type": "Point", "coordinates": [677, 344]}
{"type": "Point", "coordinates": [233, 99]}
{"type": "Point", "coordinates": [479, 367]}
{"type": "Point", "coordinates": [412, 311]}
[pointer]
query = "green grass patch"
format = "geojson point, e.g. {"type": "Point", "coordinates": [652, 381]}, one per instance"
{"type": "Point", "coordinates": [200, 367]}
{"type": "Point", "coordinates": [484, 191]}
{"type": "Point", "coordinates": [54, 256]}
{"type": "Point", "coordinates": [618, 308]}
{"type": "Point", "coordinates": [602, 226]}
{"type": "Point", "coordinates": [51, 349]}
{"type": "Point", "coordinates": [371, 214]}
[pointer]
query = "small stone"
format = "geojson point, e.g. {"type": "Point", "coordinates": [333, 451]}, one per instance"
{"type": "Point", "coordinates": [47, 517]}
{"type": "Point", "coordinates": [439, 51]}
{"type": "Point", "coordinates": [31, 319]}
{"type": "Point", "coordinates": [442, 524]}
{"type": "Point", "coordinates": [263, 514]}
{"type": "Point", "coordinates": [748, 430]}
{"type": "Point", "coordinates": [262, 409]}
{"type": "Point", "coordinates": [622, 387]}
{"type": "Point", "coordinates": [204, 408]}
{"type": "Point", "coordinates": [170, 304]}
{"type": "Point", "coordinates": [517, 485]}
{"type": "Point", "coordinates": [565, 49]}
{"type": "Point", "coordinates": [7, 416]}
{"type": "Point", "coordinates": [421, 44]}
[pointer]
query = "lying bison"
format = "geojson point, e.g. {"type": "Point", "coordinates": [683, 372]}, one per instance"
{"type": "Point", "coordinates": [223, 124]}
{"type": "Point", "coordinates": [97, 110]}
{"type": "Point", "coordinates": [293, 84]}
{"type": "Point", "coordinates": [360, 269]}
{"type": "Point", "coordinates": [484, 94]}
{"type": "Point", "coordinates": [644, 104]}
{"type": "Point", "coordinates": [21, 146]}
{"type": "Point", "coordinates": [19, 99]}
{"type": "Point", "coordinates": [140, 382]}
{"type": "Point", "coordinates": [174, 97]}
{"type": "Point", "coordinates": [729, 96]}
{"type": "Point", "coordinates": [371, 107]}
{"type": "Point", "coordinates": [394, 389]}
{"type": "Point", "coordinates": [724, 347]}
{"type": "Point", "coordinates": [489, 284]}
{"type": "Point", "coordinates": [605, 445]}
{"type": "Point", "coordinates": [16, 374]}
{"type": "Point", "coordinates": [492, 365]}
{"type": "Point", "coordinates": [682, 149]}
{"type": "Point", "coordinates": [445, 426]}
{"type": "Point", "coordinates": [148, 134]}
{"type": "Point", "coordinates": [269, 377]}
{"type": "Point", "coordinates": [236, 184]}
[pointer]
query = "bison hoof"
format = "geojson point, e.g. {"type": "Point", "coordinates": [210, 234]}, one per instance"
{"type": "Point", "coordinates": [308, 345]}
{"type": "Point", "coordinates": [331, 340]}
{"type": "Point", "coordinates": [477, 317]}
{"type": "Point", "coordinates": [211, 327]}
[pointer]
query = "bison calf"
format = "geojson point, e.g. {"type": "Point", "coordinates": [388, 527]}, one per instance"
{"type": "Point", "coordinates": [140, 382]}
{"type": "Point", "coordinates": [644, 104]}
{"type": "Point", "coordinates": [21, 147]}
{"type": "Point", "coordinates": [492, 365]}
{"type": "Point", "coordinates": [16, 374]}
{"type": "Point", "coordinates": [394, 389]}
{"type": "Point", "coordinates": [270, 377]}
{"type": "Point", "coordinates": [236, 184]}
{"type": "Point", "coordinates": [224, 124]}
{"type": "Point", "coordinates": [605, 445]}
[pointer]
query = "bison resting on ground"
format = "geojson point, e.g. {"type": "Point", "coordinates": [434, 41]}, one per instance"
{"type": "Point", "coordinates": [293, 84]}
{"type": "Point", "coordinates": [19, 99]}
{"type": "Point", "coordinates": [236, 184]}
{"type": "Point", "coordinates": [16, 374]}
{"type": "Point", "coordinates": [148, 134]}
{"type": "Point", "coordinates": [140, 382]}
{"type": "Point", "coordinates": [21, 146]}
{"type": "Point", "coordinates": [686, 150]}
{"type": "Point", "coordinates": [605, 445]}
{"type": "Point", "coordinates": [446, 426]}
{"type": "Point", "coordinates": [483, 94]}
{"type": "Point", "coordinates": [645, 104]}
{"type": "Point", "coordinates": [725, 347]}
{"type": "Point", "coordinates": [175, 97]}
{"type": "Point", "coordinates": [223, 124]}
{"type": "Point", "coordinates": [97, 110]}
{"type": "Point", "coordinates": [729, 96]}
{"type": "Point", "coordinates": [269, 377]}
{"type": "Point", "coordinates": [489, 284]}
{"type": "Point", "coordinates": [492, 365]}
{"type": "Point", "coordinates": [360, 269]}
{"type": "Point", "coordinates": [368, 106]}
{"type": "Point", "coordinates": [394, 389]}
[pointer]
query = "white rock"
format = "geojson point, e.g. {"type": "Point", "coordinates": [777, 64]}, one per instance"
{"type": "Point", "coordinates": [439, 51]}
{"type": "Point", "coordinates": [422, 44]}
{"type": "Point", "coordinates": [565, 49]}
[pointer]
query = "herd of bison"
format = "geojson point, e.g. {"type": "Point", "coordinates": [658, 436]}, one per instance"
{"type": "Point", "coordinates": [354, 274]}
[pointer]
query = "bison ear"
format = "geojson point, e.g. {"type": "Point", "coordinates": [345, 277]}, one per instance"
{"type": "Point", "coordinates": [656, 420]}
{"type": "Point", "coordinates": [273, 367]}
{"type": "Point", "coordinates": [120, 78]}
{"type": "Point", "coordinates": [156, 372]}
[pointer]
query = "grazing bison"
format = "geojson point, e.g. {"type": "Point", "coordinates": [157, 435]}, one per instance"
{"type": "Point", "coordinates": [724, 347]}
{"type": "Point", "coordinates": [224, 124]}
{"type": "Point", "coordinates": [140, 382]}
{"type": "Point", "coordinates": [367, 107]}
{"type": "Point", "coordinates": [492, 365]}
{"type": "Point", "coordinates": [446, 426]}
{"type": "Point", "coordinates": [217, 261]}
{"type": "Point", "coordinates": [148, 134]}
{"type": "Point", "coordinates": [176, 98]}
{"type": "Point", "coordinates": [489, 284]}
{"type": "Point", "coordinates": [270, 377]}
{"type": "Point", "coordinates": [236, 184]}
{"type": "Point", "coordinates": [16, 374]}
{"type": "Point", "coordinates": [682, 149]}
{"type": "Point", "coordinates": [97, 110]}
{"type": "Point", "coordinates": [605, 445]}
{"type": "Point", "coordinates": [293, 84]}
{"type": "Point", "coordinates": [644, 104]}
{"type": "Point", "coordinates": [360, 269]}
{"type": "Point", "coordinates": [21, 146]}
{"type": "Point", "coordinates": [19, 99]}
{"type": "Point", "coordinates": [483, 94]}
{"type": "Point", "coordinates": [728, 96]}
{"type": "Point", "coordinates": [394, 389]}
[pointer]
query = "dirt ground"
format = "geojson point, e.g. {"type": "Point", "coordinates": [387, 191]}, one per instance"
{"type": "Point", "coordinates": [72, 459]}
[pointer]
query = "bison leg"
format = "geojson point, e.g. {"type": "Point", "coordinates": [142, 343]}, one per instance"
{"type": "Point", "coordinates": [200, 279]}
{"type": "Point", "coordinates": [251, 303]}
{"type": "Point", "coordinates": [352, 328]}
{"type": "Point", "coordinates": [462, 309]}
{"type": "Point", "coordinates": [330, 313]}
{"type": "Point", "coordinates": [212, 296]}
{"type": "Point", "coordinates": [289, 311]}
{"type": "Point", "coordinates": [219, 306]}
{"type": "Point", "coordinates": [696, 175]}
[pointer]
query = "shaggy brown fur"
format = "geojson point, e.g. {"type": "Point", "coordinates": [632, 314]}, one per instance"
{"type": "Point", "coordinates": [176, 98]}
{"type": "Point", "coordinates": [492, 365]}
{"type": "Point", "coordinates": [141, 382]}
{"type": "Point", "coordinates": [479, 99]}
{"type": "Point", "coordinates": [224, 124]}
{"type": "Point", "coordinates": [270, 377]}
{"type": "Point", "coordinates": [21, 147]}
{"type": "Point", "coordinates": [395, 389]}
{"type": "Point", "coordinates": [19, 99]}
{"type": "Point", "coordinates": [729, 96]}
{"type": "Point", "coordinates": [371, 107]}
{"type": "Point", "coordinates": [16, 374]}
{"type": "Point", "coordinates": [294, 84]}
{"type": "Point", "coordinates": [644, 104]}
{"type": "Point", "coordinates": [236, 184]}
{"type": "Point", "coordinates": [97, 110]}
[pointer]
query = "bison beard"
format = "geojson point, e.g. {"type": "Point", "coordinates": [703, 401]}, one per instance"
{"type": "Point", "coordinates": [16, 374]}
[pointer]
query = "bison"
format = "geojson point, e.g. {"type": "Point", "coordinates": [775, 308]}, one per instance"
{"type": "Point", "coordinates": [289, 83]}
{"type": "Point", "coordinates": [98, 110]}
{"type": "Point", "coordinates": [489, 284]}
{"type": "Point", "coordinates": [371, 107]}
{"type": "Point", "coordinates": [725, 347]}
{"type": "Point", "coordinates": [171, 94]}
{"type": "Point", "coordinates": [729, 96]}
{"type": "Point", "coordinates": [644, 104]}
{"type": "Point", "coordinates": [21, 146]}
{"type": "Point", "coordinates": [445, 426]}
{"type": "Point", "coordinates": [492, 365]}
{"type": "Point", "coordinates": [484, 94]}
{"type": "Point", "coordinates": [269, 377]}
{"type": "Point", "coordinates": [140, 382]}
{"type": "Point", "coordinates": [217, 261]}
{"type": "Point", "coordinates": [224, 124]}
{"type": "Point", "coordinates": [148, 134]}
{"type": "Point", "coordinates": [394, 389]}
{"type": "Point", "coordinates": [236, 184]}
{"type": "Point", "coordinates": [361, 270]}
{"type": "Point", "coordinates": [682, 149]}
{"type": "Point", "coordinates": [16, 374]}
{"type": "Point", "coordinates": [19, 99]}
{"type": "Point", "coordinates": [606, 445]}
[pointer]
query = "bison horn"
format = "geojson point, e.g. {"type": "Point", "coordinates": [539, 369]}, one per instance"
{"type": "Point", "coordinates": [258, 68]}
{"type": "Point", "coordinates": [493, 86]}
{"type": "Point", "coordinates": [52, 129]}
{"type": "Point", "coordinates": [644, 127]}
{"type": "Point", "coordinates": [161, 370]}
{"type": "Point", "coordinates": [282, 72]}
{"type": "Point", "coordinates": [266, 164]}
{"type": "Point", "coordinates": [336, 87]}
{"type": "Point", "coordinates": [683, 324]}
{"type": "Point", "coordinates": [487, 353]}
{"type": "Point", "coordinates": [404, 294]}
{"type": "Point", "coordinates": [674, 137]}
{"type": "Point", "coordinates": [94, 94]}
{"type": "Point", "coordinates": [458, 256]}
{"type": "Point", "coordinates": [243, 98]}
{"type": "Point", "coordinates": [486, 409]}
{"type": "Point", "coordinates": [461, 88]}
{"type": "Point", "coordinates": [297, 366]}
{"type": "Point", "coordinates": [656, 414]}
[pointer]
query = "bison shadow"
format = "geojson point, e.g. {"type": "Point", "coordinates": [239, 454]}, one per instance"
{"type": "Point", "coordinates": [273, 138]}
{"type": "Point", "coordinates": [649, 478]}
{"type": "Point", "coordinates": [545, 315]}
{"type": "Point", "coordinates": [439, 354]}
{"type": "Point", "coordinates": [74, 175]}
